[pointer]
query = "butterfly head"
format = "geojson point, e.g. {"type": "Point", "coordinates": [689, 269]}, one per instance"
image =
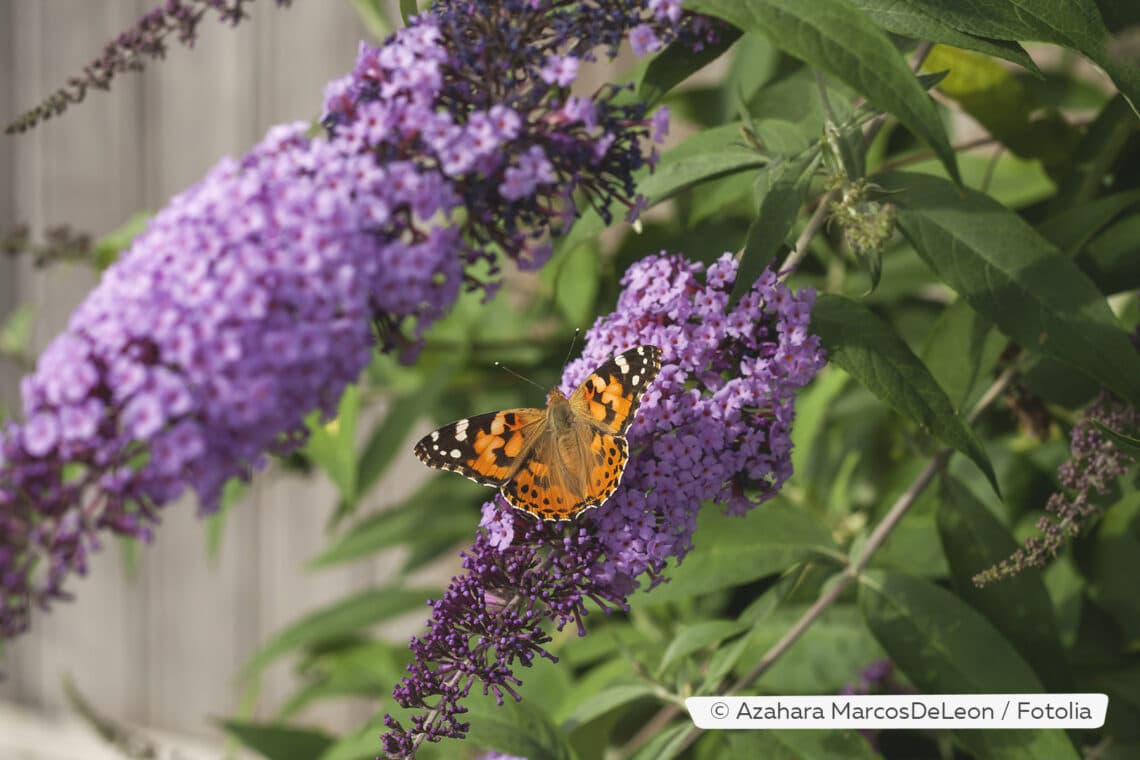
{"type": "Point", "coordinates": [558, 410]}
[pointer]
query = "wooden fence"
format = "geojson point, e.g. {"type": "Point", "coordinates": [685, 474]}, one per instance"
{"type": "Point", "coordinates": [162, 646]}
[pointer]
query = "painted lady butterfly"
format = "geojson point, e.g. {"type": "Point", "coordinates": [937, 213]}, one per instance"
{"type": "Point", "coordinates": [559, 461]}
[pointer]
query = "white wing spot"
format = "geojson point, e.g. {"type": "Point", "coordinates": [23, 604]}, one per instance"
{"type": "Point", "coordinates": [456, 453]}
{"type": "Point", "coordinates": [635, 379]}
{"type": "Point", "coordinates": [435, 437]}
{"type": "Point", "coordinates": [461, 430]}
{"type": "Point", "coordinates": [436, 447]}
{"type": "Point", "coordinates": [641, 350]}
{"type": "Point", "coordinates": [623, 365]}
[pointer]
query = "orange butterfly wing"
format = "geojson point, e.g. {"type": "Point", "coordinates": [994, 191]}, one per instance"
{"type": "Point", "coordinates": [610, 396]}
{"type": "Point", "coordinates": [552, 475]}
{"type": "Point", "coordinates": [487, 448]}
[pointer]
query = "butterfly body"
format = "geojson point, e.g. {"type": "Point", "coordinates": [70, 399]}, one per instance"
{"type": "Point", "coordinates": [558, 461]}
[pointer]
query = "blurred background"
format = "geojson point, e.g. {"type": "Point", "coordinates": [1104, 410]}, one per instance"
{"type": "Point", "coordinates": [156, 637]}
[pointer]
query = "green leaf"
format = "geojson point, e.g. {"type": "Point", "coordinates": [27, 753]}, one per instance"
{"type": "Point", "coordinates": [16, 332]}
{"type": "Point", "coordinates": [755, 63]}
{"type": "Point", "coordinates": [232, 492]}
{"type": "Point", "coordinates": [388, 438]}
{"type": "Point", "coordinates": [1074, 24]}
{"type": "Point", "coordinates": [332, 444]}
{"type": "Point", "coordinates": [724, 659]}
{"type": "Point", "coordinates": [827, 658]}
{"type": "Point", "coordinates": [730, 195]}
{"type": "Point", "coordinates": [514, 728]}
{"type": "Point", "coordinates": [665, 745]}
{"type": "Point", "coordinates": [834, 36]}
{"type": "Point", "coordinates": [788, 117]}
{"type": "Point", "coordinates": [1014, 182]}
{"type": "Point", "coordinates": [364, 669]}
{"type": "Point", "coordinates": [1102, 145]}
{"type": "Point", "coordinates": [961, 331]}
{"type": "Point", "coordinates": [403, 412]}
{"type": "Point", "coordinates": [277, 741]}
{"type": "Point", "coordinates": [989, 92]}
{"type": "Point", "coordinates": [812, 407]}
{"type": "Point", "coordinates": [730, 551]}
{"type": "Point", "coordinates": [721, 664]}
{"type": "Point", "coordinates": [780, 188]}
{"type": "Point", "coordinates": [342, 618]}
{"type": "Point", "coordinates": [1013, 276]}
{"type": "Point", "coordinates": [1110, 258]}
{"type": "Point", "coordinates": [707, 155]}
{"type": "Point", "coordinates": [446, 498]}
{"type": "Point", "coordinates": [605, 701]}
{"type": "Point", "coordinates": [108, 248]}
{"type": "Point", "coordinates": [408, 9]}
{"type": "Point", "coordinates": [576, 285]}
{"type": "Point", "coordinates": [906, 19]}
{"type": "Point", "coordinates": [374, 15]}
{"type": "Point", "coordinates": [869, 350]}
{"type": "Point", "coordinates": [831, 744]}
{"type": "Point", "coordinates": [1066, 23]}
{"type": "Point", "coordinates": [693, 638]}
{"type": "Point", "coordinates": [1128, 444]}
{"type": "Point", "coordinates": [1018, 607]}
{"type": "Point", "coordinates": [945, 647]}
{"type": "Point", "coordinates": [362, 745]}
{"type": "Point", "coordinates": [1112, 565]}
{"type": "Point", "coordinates": [677, 63]}
{"type": "Point", "coordinates": [1072, 229]}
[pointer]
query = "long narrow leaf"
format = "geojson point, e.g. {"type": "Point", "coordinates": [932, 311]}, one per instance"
{"type": "Point", "coordinates": [869, 350]}
{"type": "Point", "coordinates": [834, 36]}
{"type": "Point", "coordinates": [1007, 271]}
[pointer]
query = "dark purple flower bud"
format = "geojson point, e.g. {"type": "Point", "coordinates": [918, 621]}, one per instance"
{"type": "Point", "coordinates": [1095, 463]}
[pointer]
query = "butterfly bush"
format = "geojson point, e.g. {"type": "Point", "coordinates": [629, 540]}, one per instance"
{"type": "Point", "coordinates": [1094, 466]}
{"type": "Point", "coordinates": [713, 428]}
{"type": "Point", "coordinates": [259, 293]}
{"type": "Point", "coordinates": [149, 37]}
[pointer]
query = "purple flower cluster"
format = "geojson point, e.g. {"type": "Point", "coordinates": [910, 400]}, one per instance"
{"type": "Point", "coordinates": [713, 427]}
{"type": "Point", "coordinates": [129, 51]}
{"type": "Point", "coordinates": [258, 294]}
{"type": "Point", "coordinates": [490, 622]}
{"type": "Point", "coordinates": [1094, 465]}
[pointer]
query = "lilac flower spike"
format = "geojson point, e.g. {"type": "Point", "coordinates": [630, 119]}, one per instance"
{"type": "Point", "coordinates": [713, 427]}
{"type": "Point", "coordinates": [147, 38]}
{"type": "Point", "coordinates": [259, 293]}
{"type": "Point", "coordinates": [1095, 464]}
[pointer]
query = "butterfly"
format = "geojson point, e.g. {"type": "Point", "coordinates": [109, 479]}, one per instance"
{"type": "Point", "coordinates": [559, 461]}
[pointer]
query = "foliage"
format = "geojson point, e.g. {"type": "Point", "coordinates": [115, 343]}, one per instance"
{"type": "Point", "coordinates": [963, 350]}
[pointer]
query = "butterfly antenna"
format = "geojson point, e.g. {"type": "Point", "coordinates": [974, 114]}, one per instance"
{"type": "Point", "coordinates": [573, 340]}
{"type": "Point", "coordinates": [524, 378]}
